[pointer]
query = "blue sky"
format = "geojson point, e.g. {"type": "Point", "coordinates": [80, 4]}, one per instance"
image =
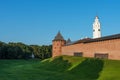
{"type": "Point", "coordinates": [38, 21]}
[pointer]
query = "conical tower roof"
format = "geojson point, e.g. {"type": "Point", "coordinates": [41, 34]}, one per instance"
{"type": "Point", "coordinates": [68, 41]}
{"type": "Point", "coordinates": [58, 37]}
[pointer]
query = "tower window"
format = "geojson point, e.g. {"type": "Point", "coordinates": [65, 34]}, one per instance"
{"type": "Point", "coordinates": [93, 30]}
{"type": "Point", "coordinates": [98, 29]}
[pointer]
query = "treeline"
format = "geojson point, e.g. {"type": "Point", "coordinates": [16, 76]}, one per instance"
{"type": "Point", "coordinates": [22, 51]}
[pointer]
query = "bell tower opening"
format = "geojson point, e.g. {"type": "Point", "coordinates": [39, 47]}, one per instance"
{"type": "Point", "coordinates": [96, 28]}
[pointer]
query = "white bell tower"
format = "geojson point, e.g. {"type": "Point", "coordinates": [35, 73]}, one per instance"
{"type": "Point", "coordinates": [96, 28]}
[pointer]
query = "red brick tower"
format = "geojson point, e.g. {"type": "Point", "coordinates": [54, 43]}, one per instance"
{"type": "Point", "coordinates": [58, 42]}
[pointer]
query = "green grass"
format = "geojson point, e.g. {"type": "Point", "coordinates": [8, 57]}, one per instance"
{"type": "Point", "coordinates": [60, 68]}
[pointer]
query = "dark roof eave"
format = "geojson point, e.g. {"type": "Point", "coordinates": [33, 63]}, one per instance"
{"type": "Point", "coordinates": [58, 40]}
{"type": "Point", "coordinates": [97, 40]}
{"type": "Point", "coordinates": [116, 36]}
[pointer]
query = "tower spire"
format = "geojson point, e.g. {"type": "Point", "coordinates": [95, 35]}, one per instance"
{"type": "Point", "coordinates": [96, 28]}
{"type": "Point", "coordinates": [58, 37]}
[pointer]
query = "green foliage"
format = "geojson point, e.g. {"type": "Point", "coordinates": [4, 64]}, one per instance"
{"type": "Point", "coordinates": [60, 68]}
{"type": "Point", "coordinates": [42, 52]}
{"type": "Point", "coordinates": [23, 51]}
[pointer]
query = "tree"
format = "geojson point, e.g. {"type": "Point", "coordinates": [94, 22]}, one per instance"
{"type": "Point", "coordinates": [23, 51]}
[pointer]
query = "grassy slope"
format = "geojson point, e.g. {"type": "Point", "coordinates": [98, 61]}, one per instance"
{"type": "Point", "coordinates": [61, 68]}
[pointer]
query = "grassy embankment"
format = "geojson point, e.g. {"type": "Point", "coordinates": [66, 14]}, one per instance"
{"type": "Point", "coordinates": [60, 68]}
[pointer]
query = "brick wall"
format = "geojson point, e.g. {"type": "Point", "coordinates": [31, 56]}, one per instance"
{"type": "Point", "coordinates": [111, 47]}
{"type": "Point", "coordinates": [57, 48]}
